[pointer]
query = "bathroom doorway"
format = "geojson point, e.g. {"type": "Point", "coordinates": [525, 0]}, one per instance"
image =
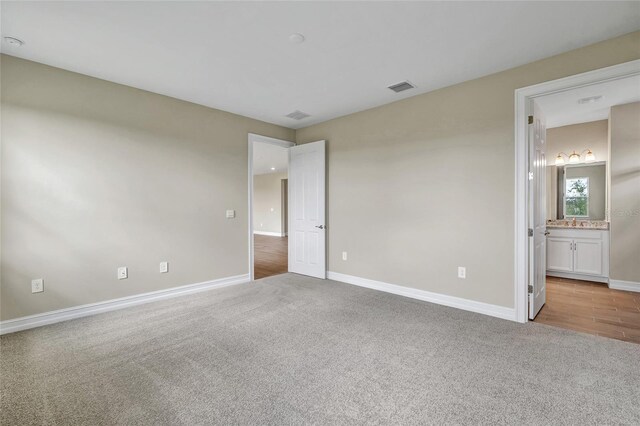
{"type": "Point", "coordinates": [578, 134]}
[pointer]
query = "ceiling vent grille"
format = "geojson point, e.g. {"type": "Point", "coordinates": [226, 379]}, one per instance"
{"type": "Point", "coordinates": [298, 115]}
{"type": "Point", "coordinates": [401, 87]}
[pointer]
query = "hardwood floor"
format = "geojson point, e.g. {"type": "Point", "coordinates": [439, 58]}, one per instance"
{"type": "Point", "coordinates": [270, 256]}
{"type": "Point", "coordinates": [592, 308]}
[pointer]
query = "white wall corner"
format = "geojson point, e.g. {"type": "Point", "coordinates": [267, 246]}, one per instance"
{"type": "Point", "coordinates": [52, 317]}
{"type": "Point", "coordinates": [624, 285]}
{"type": "Point", "coordinates": [427, 296]}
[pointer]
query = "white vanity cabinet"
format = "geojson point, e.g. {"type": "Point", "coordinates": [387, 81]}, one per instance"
{"type": "Point", "coordinates": [578, 253]}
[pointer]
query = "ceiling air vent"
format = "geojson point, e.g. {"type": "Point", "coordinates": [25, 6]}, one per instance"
{"type": "Point", "coordinates": [298, 115]}
{"type": "Point", "coordinates": [401, 87]}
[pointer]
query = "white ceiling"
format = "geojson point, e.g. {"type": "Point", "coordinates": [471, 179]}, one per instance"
{"type": "Point", "coordinates": [236, 56]}
{"type": "Point", "coordinates": [267, 156]}
{"type": "Point", "coordinates": [563, 109]}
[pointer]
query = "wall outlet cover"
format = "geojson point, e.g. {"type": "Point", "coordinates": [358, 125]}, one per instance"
{"type": "Point", "coordinates": [462, 272]}
{"type": "Point", "coordinates": [123, 273]}
{"type": "Point", "coordinates": [164, 267]}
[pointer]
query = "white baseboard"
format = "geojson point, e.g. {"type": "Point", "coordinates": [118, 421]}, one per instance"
{"type": "Point", "coordinates": [624, 285]}
{"type": "Point", "coordinates": [427, 296]}
{"type": "Point", "coordinates": [271, 234]}
{"type": "Point", "coordinates": [32, 321]}
{"type": "Point", "coordinates": [593, 278]}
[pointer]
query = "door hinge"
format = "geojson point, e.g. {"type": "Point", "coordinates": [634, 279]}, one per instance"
{"type": "Point", "coordinates": [530, 289]}
{"type": "Point", "coordinates": [530, 232]}
{"type": "Point", "coordinates": [531, 119]}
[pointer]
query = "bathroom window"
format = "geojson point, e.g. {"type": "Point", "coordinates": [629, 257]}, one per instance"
{"type": "Point", "coordinates": [576, 197]}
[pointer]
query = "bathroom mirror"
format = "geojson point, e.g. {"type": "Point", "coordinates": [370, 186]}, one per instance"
{"type": "Point", "coordinates": [579, 191]}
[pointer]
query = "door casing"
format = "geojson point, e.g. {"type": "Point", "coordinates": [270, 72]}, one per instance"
{"type": "Point", "coordinates": [523, 108]}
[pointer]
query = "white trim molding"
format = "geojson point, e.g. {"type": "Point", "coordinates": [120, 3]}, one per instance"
{"type": "Point", "coordinates": [427, 296]}
{"type": "Point", "coordinates": [523, 102]}
{"type": "Point", "coordinates": [624, 285]}
{"type": "Point", "coordinates": [52, 317]}
{"type": "Point", "coordinates": [271, 234]}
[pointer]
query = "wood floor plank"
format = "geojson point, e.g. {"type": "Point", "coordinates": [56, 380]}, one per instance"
{"type": "Point", "coordinates": [591, 308]}
{"type": "Point", "coordinates": [270, 256]}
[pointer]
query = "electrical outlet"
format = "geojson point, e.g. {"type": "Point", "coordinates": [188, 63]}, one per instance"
{"type": "Point", "coordinates": [37, 285]}
{"type": "Point", "coordinates": [231, 214]}
{"type": "Point", "coordinates": [164, 267]}
{"type": "Point", "coordinates": [344, 255]}
{"type": "Point", "coordinates": [462, 272]}
{"type": "Point", "coordinates": [123, 273]}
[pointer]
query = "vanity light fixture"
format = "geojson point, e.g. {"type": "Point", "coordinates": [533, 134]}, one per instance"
{"type": "Point", "coordinates": [574, 158]}
{"type": "Point", "coordinates": [590, 157]}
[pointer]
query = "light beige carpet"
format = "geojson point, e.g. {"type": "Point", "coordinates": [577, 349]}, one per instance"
{"type": "Point", "coordinates": [296, 350]}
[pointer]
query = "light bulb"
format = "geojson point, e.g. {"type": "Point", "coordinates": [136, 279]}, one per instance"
{"type": "Point", "coordinates": [590, 157]}
{"type": "Point", "coordinates": [574, 158]}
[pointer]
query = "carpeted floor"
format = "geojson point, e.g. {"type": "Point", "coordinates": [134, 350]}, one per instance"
{"type": "Point", "coordinates": [296, 350]}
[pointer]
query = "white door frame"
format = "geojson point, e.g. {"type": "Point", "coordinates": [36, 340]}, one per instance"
{"type": "Point", "coordinates": [523, 101]}
{"type": "Point", "coordinates": [253, 138]}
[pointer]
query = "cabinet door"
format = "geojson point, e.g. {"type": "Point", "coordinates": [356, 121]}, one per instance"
{"type": "Point", "coordinates": [588, 257]}
{"type": "Point", "coordinates": [560, 254]}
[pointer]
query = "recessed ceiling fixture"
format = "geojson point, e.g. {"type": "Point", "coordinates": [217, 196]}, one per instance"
{"type": "Point", "coordinates": [298, 115]}
{"type": "Point", "coordinates": [590, 99]}
{"type": "Point", "coordinates": [296, 38]}
{"type": "Point", "coordinates": [401, 87]}
{"type": "Point", "coordinates": [14, 41]}
{"type": "Point", "coordinates": [273, 168]}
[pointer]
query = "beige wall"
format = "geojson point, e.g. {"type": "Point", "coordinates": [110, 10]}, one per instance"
{"type": "Point", "coordinates": [267, 195]}
{"type": "Point", "coordinates": [578, 137]}
{"type": "Point", "coordinates": [625, 192]}
{"type": "Point", "coordinates": [97, 175]}
{"type": "Point", "coordinates": [421, 186]}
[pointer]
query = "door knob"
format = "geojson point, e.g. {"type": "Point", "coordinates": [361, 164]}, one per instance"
{"type": "Point", "coordinates": [320, 226]}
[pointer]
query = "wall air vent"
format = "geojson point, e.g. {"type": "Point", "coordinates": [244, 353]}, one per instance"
{"type": "Point", "coordinates": [401, 87]}
{"type": "Point", "coordinates": [298, 115]}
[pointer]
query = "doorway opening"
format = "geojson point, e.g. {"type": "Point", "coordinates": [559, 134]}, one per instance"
{"type": "Point", "coordinates": [268, 205]}
{"type": "Point", "coordinates": [575, 138]}
{"type": "Point", "coordinates": [299, 210]}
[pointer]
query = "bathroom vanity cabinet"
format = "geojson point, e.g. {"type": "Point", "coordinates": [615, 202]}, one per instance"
{"type": "Point", "coordinates": [578, 253]}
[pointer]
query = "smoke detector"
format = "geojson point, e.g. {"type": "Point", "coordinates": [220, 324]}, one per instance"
{"type": "Point", "coordinates": [590, 99]}
{"type": "Point", "coordinates": [14, 41]}
{"type": "Point", "coordinates": [401, 87]}
{"type": "Point", "coordinates": [298, 115]}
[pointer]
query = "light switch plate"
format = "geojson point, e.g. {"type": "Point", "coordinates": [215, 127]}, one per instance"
{"type": "Point", "coordinates": [164, 267]}
{"type": "Point", "coordinates": [231, 214]}
{"type": "Point", "coordinates": [37, 285]}
{"type": "Point", "coordinates": [123, 273]}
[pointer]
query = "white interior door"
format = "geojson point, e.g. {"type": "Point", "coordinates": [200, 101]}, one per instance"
{"type": "Point", "coordinates": [307, 231]}
{"type": "Point", "coordinates": [537, 212]}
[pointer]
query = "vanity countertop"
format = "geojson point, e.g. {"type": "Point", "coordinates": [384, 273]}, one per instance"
{"type": "Point", "coordinates": [580, 224]}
